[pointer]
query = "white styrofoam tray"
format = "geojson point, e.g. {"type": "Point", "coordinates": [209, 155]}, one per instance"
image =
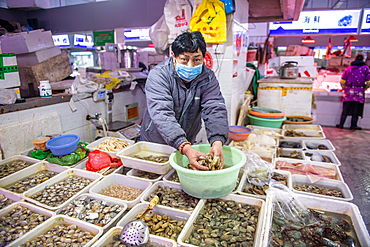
{"type": "Point", "coordinates": [100, 186]}
{"type": "Point", "coordinates": [168, 175]}
{"type": "Point", "coordinates": [18, 157]}
{"type": "Point", "coordinates": [291, 141]}
{"type": "Point", "coordinates": [82, 166]}
{"type": "Point", "coordinates": [290, 150]}
{"type": "Point", "coordinates": [145, 197]}
{"type": "Point", "coordinates": [133, 172]}
{"type": "Point", "coordinates": [310, 135]}
{"type": "Point", "coordinates": [141, 207]}
{"type": "Point", "coordinates": [258, 235]}
{"type": "Point", "coordinates": [277, 141]}
{"type": "Point", "coordinates": [108, 200]}
{"type": "Point", "coordinates": [30, 171]}
{"type": "Point", "coordinates": [10, 196]}
{"type": "Point", "coordinates": [92, 145]}
{"type": "Point", "coordinates": [326, 165]}
{"type": "Point", "coordinates": [58, 220]}
{"type": "Point", "coordinates": [31, 207]}
{"type": "Point", "coordinates": [241, 186]}
{"type": "Point", "coordinates": [326, 205]}
{"type": "Point", "coordinates": [59, 178]}
{"type": "Point", "coordinates": [330, 154]}
{"type": "Point", "coordinates": [108, 238]}
{"type": "Point", "coordinates": [277, 131]}
{"type": "Point", "coordinates": [318, 142]}
{"type": "Point", "coordinates": [144, 165]}
{"type": "Point", "coordinates": [303, 127]}
{"type": "Point", "coordinates": [329, 183]}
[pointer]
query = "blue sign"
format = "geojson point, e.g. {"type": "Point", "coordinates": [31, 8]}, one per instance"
{"type": "Point", "coordinates": [61, 40]}
{"type": "Point", "coordinates": [137, 34]}
{"type": "Point", "coordinates": [83, 41]}
{"type": "Point", "coordinates": [365, 27]}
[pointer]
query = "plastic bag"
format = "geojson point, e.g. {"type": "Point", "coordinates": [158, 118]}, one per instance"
{"type": "Point", "coordinates": [83, 85]}
{"type": "Point", "coordinates": [158, 34]}
{"type": "Point", "coordinates": [177, 15]}
{"type": "Point", "coordinates": [39, 154]}
{"type": "Point", "coordinates": [70, 159]}
{"type": "Point", "coordinates": [7, 96]}
{"type": "Point", "coordinates": [99, 160]}
{"type": "Point", "coordinates": [114, 81]}
{"type": "Point", "coordinates": [210, 20]}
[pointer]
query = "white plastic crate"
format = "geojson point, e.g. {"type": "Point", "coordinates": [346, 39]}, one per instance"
{"type": "Point", "coordinates": [309, 135]}
{"type": "Point", "coordinates": [100, 186]}
{"type": "Point", "coordinates": [303, 127]}
{"type": "Point", "coordinates": [144, 165]}
{"type": "Point", "coordinates": [11, 196]}
{"type": "Point", "coordinates": [108, 237]}
{"type": "Point", "coordinates": [168, 175]}
{"type": "Point", "coordinates": [133, 172]}
{"type": "Point", "coordinates": [291, 142]}
{"type": "Point", "coordinates": [285, 151]}
{"type": "Point", "coordinates": [330, 154]}
{"type": "Point", "coordinates": [92, 145]}
{"type": "Point", "coordinates": [82, 166]}
{"type": "Point", "coordinates": [59, 178]}
{"type": "Point", "coordinates": [108, 200]}
{"type": "Point", "coordinates": [316, 143]}
{"type": "Point", "coordinates": [18, 157]}
{"type": "Point", "coordinates": [259, 233]}
{"type": "Point", "coordinates": [58, 220]}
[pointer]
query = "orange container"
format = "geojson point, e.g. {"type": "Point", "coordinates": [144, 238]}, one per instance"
{"type": "Point", "coordinates": [40, 143]}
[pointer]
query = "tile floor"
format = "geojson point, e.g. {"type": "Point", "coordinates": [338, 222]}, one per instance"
{"type": "Point", "coordinates": [353, 151]}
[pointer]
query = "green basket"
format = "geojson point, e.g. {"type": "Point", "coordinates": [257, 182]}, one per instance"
{"type": "Point", "coordinates": [266, 122]}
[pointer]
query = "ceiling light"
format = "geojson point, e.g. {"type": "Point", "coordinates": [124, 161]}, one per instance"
{"type": "Point", "coordinates": [308, 39]}
{"type": "Point", "coordinates": [353, 39]}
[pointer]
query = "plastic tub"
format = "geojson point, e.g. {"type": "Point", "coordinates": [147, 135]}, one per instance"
{"type": "Point", "coordinates": [258, 235]}
{"type": "Point", "coordinates": [315, 143]}
{"type": "Point", "coordinates": [20, 158]}
{"type": "Point", "coordinates": [133, 173]}
{"type": "Point", "coordinates": [144, 149]}
{"type": "Point", "coordinates": [145, 198]}
{"type": "Point", "coordinates": [108, 238]}
{"type": "Point", "coordinates": [167, 177]}
{"type": "Point", "coordinates": [63, 145]}
{"type": "Point", "coordinates": [11, 196]}
{"type": "Point", "coordinates": [310, 135]}
{"type": "Point", "coordinates": [330, 154]}
{"type": "Point", "coordinates": [304, 127]}
{"type": "Point", "coordinates": [265, 112]}
{"type": "Point", "coordinates": [58, 220]}
{"type": "Point", "coordinates": [286, 151]}
{"type": "Point", "coordinates": [40, 142]}
{"type": "Point", "coordinates": [29, 171]}
{"type": "Point", "coordinates": [307, 120]}
{"type": "Point", "coordinates": [209, 184]}
{"type": "Point", "coordinates": [239, 133]}
{"type": "Point", "coordinates": [107, 200]}
{"type": "Point", "coordinates": [92, 145]}
{"type": "Point", "coordinates": [329, 183]}
{"type": "Point", "coordinates": [58, 178]}
{"type": "Point", "coordinates": [82, 166]}
{"type": "Point", "coordinates": [98, 188]}
{"type": "Point", "coordinates": [266, 122]}
{"type": "Point", "coordinates": [258, 130]}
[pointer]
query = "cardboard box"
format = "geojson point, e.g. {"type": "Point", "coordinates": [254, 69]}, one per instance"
{"type": "Point", "coordinates": [33, 58]}
{"type": "Point", "coordinates": [45, 4]}
{"type": "Point", "coordinates": [302, 61]}
{"type": "Point", "coordinates": [20, 43]}
{"type": "Point", "coordinates": [9, 76]}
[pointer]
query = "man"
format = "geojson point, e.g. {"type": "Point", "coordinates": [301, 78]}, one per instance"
{"type": "Point", "coordinates": [180, 91]}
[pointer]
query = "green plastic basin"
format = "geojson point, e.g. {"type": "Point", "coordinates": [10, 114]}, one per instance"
{"type": "Point", "coordinates": [209, 184]}
{"type": "Point", "coordinates": [266, 122]}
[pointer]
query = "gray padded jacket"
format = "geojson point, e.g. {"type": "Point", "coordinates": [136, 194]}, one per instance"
{"type": "Point", "coordinates": [174, 113]}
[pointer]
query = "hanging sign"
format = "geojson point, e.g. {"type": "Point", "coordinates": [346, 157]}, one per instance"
{"type": "Point", "coordinates": [100, 38]}
{"type": "Point", "coordinates": [82, 41]}
{"type": "Point", "coordinates": [61, 40]}
{"type": "Point", "coordinates": [319, 22]}
{"type": "Point", "coordinates": [365, 27]}
{"type": "Point", "coordinates": [137, 34]}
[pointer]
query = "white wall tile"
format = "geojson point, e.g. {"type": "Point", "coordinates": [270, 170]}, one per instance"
{"type": "Point", "coordinates": [9, 119]}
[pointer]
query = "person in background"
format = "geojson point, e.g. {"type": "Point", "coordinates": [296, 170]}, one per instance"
{"type": "Point", "coordinates": [180, 91]}
{"type": "Point", "coordinates": [355, 81]}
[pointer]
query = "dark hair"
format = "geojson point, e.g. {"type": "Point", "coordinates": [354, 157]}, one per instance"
{"type": "Point", "coordinates": [189, 42]}
{"type": "Point", "coordinates": [359, 57]}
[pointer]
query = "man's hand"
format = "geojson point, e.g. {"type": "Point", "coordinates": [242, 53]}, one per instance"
{"type": "Point", "coordinates": [216, 150]}
{"type": "Point", "coordinates": [193, 156]}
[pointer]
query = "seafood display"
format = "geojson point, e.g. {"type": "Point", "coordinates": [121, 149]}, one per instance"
{"type": "Point", "coordinates": [174, 198]}
{"type": "Point", "coordinates": [256, 189]}
{"type": "Point", "coordinates": [153, 158]}
{"type": "Point", "coordinates": [112, 145]}
{"type": "Point", "coordinates": [265, 132]}
{"type": "Point", "coordinates": [325, 231]}
{"type": "Point", "coordinates": [306, 169]}
{"type": "Point", "coordinates": [289, 154]}
{"type": "Point", "coordinates": [62, 235]}
{"type": "Point", "coordinates": [318, 190]}
{"type": "Point", "coordinates": [212, 163]}
{"type": "Point", "coordinates": [317, 146]}
{"type": "Point", "coordinates": [17, 222]}
{"type": "Point", "coordinates": [116, 242]}
{"type": "Point", "coordinates": [297, 119]}
{"type": "Point", "coordinates": [293, 133]}
{"type": "Point", "coordinates": [164, 226]}
{"type": "Point", "coordinates": [146, 175]}
{"type": "Point", "coordinates": [58, 193]}
{"type": "Point", "coordinates": [290, 144]}
{"type": "Point", "coordinates": [224, 223]}
{"type": "Point", "coordinates": [318, 157]}
{"type": "Point", "coordinates": [107, 171]}
{"type": "Point", "coordinates": [91, 210]}
{"type": "Point", "coordinates": [174, 177]}
{"type": "Point", "coordinates": [12, 167]}
{"type": "Point", "coordinates": [122, 192]}
{"type": "Point", "coordinates": [30, 182]}
{"type": "Point", "coordinates": [4, 201]}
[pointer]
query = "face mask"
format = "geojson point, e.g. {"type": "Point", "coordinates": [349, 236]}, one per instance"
{"type": "Point", "coordinates": [188, 73]}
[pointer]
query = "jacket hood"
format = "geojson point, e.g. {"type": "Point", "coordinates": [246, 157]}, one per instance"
{"type": "Point", "coordinates": [358, 63]}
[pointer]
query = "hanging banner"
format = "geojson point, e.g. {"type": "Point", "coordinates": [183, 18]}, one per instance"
{"type": "Point", "coordinates": [100, 38]}
{"type": "Point", "coordinates": [365, 27]}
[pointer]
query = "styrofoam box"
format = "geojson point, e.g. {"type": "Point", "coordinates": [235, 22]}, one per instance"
{"type": "Point", "coordinates": [277, 131]}
{"type": "Point", "coordinates": [310, 135]}
{"type": "Point", "coordinates": [168, 175]}
{"type": "Point", "coordinates": [10, 196]}
{"type": "Point", "coordinates": [326, 205]}
{"type": "Point", "coordinates": [330, 154]}
{"type": "Point", "coordinates": [290, 150]}
{"type": "Point", "coordinates": [59, 178]}
{"type": "Point", "coordinates": [30, 171]}
{"type": "Point", "coordinates": [326, 165]}
{"type": "Point", "coordinates": [92, 145]}
{"type": "Point", "coordinates": [144, 165]}
{"type": "Point", "coordinates": [302, 60]}
{"type": "Point", "coordinates": [259, 233]}
{"type": "Point", "coordinates": [133, 172]}
{"type": "Point", "coordinates": [108, 238]}
{"type": "Point", "coordinates": [305, 127]}
{"type": "Point", "coordinates": [108, 200]}
{"type": "Point", "coordinates": [318, 142]}
{"type": "Point", "coordinates": [141, 207]}
{"type": "Point", "coordinates": [145, 198]}
{"type": "Point", "coordinates": [33, 58]}
{"type": "Point", "coordinates": [329, 183]}
{"type": "Point", "coordinates": [58, 220]}
{"type": "Point", "coordinates": [292, 141]}
{"type": "Point", "coordinates": [100, 186]}
{"type": "Point", "coordinates": [18, 157]}
{"type": "Point", "coordinates": [26, 42]}
{"type": "Point", "coordinates": [31, 207]}
{"type": "Point", "coordinates": [241, 186]}
{"type": "Point", "coordinates": [82, 166]}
